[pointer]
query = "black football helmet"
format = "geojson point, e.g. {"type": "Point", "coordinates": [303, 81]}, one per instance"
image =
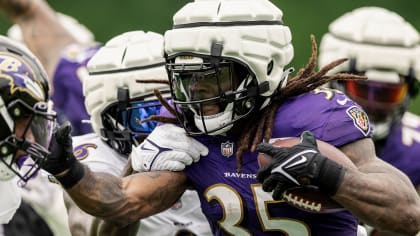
{"type": "Point", "coordinates": [26, 119]}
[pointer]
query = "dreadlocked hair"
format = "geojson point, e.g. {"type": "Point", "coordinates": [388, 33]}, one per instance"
{"type": "Point", "coordinates": [305, 80]}
{"type": "Point", "coordinates": [163, 102]}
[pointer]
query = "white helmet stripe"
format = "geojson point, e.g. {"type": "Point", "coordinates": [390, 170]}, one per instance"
{"type": "Point", "coordinates": [5, 114]}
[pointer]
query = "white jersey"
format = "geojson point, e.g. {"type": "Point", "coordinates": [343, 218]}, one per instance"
{"type": "Point", "coordinates": [183, 218]}
{"type": "Point", "coordinates": [10, 199]}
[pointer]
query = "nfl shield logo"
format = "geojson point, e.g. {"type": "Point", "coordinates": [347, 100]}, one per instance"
{"type": "Point", "coordinates": [226, 149]}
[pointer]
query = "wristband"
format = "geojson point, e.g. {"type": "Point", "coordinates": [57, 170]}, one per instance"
{"type": "Point", "coordinates": [330, 176]}
{"type": "Point", "coordinates": [72, 176]}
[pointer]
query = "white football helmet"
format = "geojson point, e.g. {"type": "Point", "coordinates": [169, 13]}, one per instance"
{"type": "Point", "coordinates": [116, 101]}
{"type": "Point", "coordinates": [383, 46]}
{"type": "Point", "coordinates": [79, 31]}
{"type": "Point", "coordinates": [225, 59]}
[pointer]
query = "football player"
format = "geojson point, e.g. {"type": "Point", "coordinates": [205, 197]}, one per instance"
{"type": "Point", "coordinates": [26, 121]}
{"type": "Point", "coordinates": [117, 105]}
{"type": "Point", "coordinates": [226, 63]}
{"type": "Point", "coordinates": [383, 46]}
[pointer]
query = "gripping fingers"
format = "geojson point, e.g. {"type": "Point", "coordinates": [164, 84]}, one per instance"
{"type": "Point", "coordinates": [280, 185]}
{"type": "Point", "coordinates": [269, 183]}
{"type": "Point", "coordinates": [200, 148]}
{"type": "Point", "coordinates": [263, 173]}
{"type": "Point", "coordinates": [278, 191]}
{"type": "Point", "coordinates": [307, 138]}
{"type": "Point", "coordinates": [63, 132]}
{"type": "Point", "coordinates": [171, 160]}
{"type": "Point", "coordinates": [174, 166]}
{"type": "Point", "coordinates": [270, 150]}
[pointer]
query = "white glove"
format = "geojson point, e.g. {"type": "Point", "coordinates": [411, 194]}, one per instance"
{"type": "Point", "coordinates": [167, 148]}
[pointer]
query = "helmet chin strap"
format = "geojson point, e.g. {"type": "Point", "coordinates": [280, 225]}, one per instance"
{"type": "Point", "coordinates": [215, 122]}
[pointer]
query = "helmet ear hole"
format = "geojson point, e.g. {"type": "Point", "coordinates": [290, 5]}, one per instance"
{"type": "Point", "coordinates": [243, 107]}
{"type": "Point", "coordinates": [270, 67]}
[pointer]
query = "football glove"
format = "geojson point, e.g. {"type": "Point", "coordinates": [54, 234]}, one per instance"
{"type": "Point", "coordinates": [167, 148]}
{"type": "Point", "coordinates": [61, 162]}
{"type": "Point", "coordinates": [299, 165]}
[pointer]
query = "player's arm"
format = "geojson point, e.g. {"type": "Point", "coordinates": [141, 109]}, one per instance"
{"type": "Point", "coordinates": [375, 192]}
{"type": "Point", "coordinates": [79, 221]}
{"type": "Point", "coordinates": [115, 199]}
{"type": "Point", "coordinates": [378, 193]}
{"type": "Point", "coordinates": [101, 227]}
{"type": "Point", "coordinates": [125, 200]}
{"type": "Point", "coordinates": [82, 223]}
{"type": "Point", "coordinates": [41, 30]}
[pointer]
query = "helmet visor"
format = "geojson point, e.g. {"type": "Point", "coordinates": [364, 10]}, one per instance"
{"type": "Point", "coordinates": [42, 124]}
{"type": "Point", "coordinates": [380, 100]}
{"type": "Point", "coordinates": [377, 91]}
{"type": "Point", "coordinates": [133, 116]}
{"type": "Point", "coordinates": [203, 84]}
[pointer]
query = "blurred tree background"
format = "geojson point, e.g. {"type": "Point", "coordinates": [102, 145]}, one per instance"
{"type": "Point", "coordinates": [109, 18]}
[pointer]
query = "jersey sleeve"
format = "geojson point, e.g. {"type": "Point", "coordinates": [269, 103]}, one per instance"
{"type": "Point", "coordinates": [329, 114]}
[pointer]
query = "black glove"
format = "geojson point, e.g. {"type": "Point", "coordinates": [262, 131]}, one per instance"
{"type": "Point", "coordinates": [61, 161]}
{"type": "Point", "coordinates": [299, 165]}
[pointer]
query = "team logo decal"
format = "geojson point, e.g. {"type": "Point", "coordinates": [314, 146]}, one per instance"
{"type": "Point", "coordinates": [20, 75]}
{"type": "Point", "coordinates": [81, 151]}
{"type": "Point", "coordinates": [360, 119]}
{"type": "Point", "coordinates": [226, 149]}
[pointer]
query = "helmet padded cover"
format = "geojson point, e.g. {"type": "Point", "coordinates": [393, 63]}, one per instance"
{"type": "Point", "coordinates": [128, 57]}
{"type": "Point", "coordinates": [376, 38]}
{"type": "Point", "coordinates": [247, 30]}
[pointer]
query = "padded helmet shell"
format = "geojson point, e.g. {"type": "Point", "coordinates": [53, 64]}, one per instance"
{"type": "Point", "coordinates": [251, 32]}
{"type": "Point", "coordinates": [128, 57]}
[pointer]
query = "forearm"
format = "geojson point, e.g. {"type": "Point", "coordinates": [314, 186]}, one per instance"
{"type": "Point", "coordinates": [122, 201]}
{"type": "Point", "coordinates": [101, 227]}
{"type": "Point", "coordinates": [379, 194]}
{"type": "Point", "coordinates": [79, 221]}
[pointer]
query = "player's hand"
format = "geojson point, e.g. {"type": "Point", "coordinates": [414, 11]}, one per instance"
{"type": "Point", "coordinates": [167, 148]}
{"type": "Point", "coordinates": [61, 162]}
{"type": "Point", "coordinates": [298, 165]}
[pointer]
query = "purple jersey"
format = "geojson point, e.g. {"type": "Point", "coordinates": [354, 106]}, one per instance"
{"type": "Point", "coordinates": [68, 98]}
{"type": "Point", "coordinates": [235, 204]}
{"type": "Point", "coordinates": [402, 147]}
